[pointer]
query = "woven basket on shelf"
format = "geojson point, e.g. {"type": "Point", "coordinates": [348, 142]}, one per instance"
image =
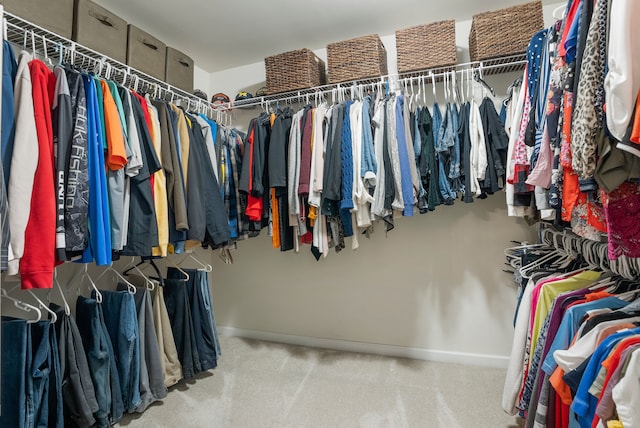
{"type": "Point", "coordinates": [426, 46]}
{"type": "Point", "coordinates": [290, 71]}
{"type": "Point", "coordinates": [504, 32]}
{"type": "Point", "coordinates": [355, 59]}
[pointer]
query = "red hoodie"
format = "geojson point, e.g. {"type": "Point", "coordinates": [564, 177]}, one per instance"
{"type": "Point", "coordinates": [37, 264]}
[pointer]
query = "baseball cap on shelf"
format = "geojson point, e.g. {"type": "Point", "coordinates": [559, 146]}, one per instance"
{"type": "Point", "coordinates": [243, 95]}
{"type": "Point", "coordinates": [262, 92]}
{"type": "Point", "coordinates": [220, 98]}
{"type": "Point", "coordinates": [201, 94]}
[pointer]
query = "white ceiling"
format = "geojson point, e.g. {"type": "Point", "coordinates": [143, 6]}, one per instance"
{"type": "Point", "coordinates": [223, 34]}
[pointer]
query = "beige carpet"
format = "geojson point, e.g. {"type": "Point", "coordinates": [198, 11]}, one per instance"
{"type": "Point", "coordinates": [262, 384]}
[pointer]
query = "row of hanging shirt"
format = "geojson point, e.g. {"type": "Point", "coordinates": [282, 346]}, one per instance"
{"type": "Point", "coordinates": [327, 172]}
{"type": "Point", "coordinates": [573, 155]}
{"type": "Point", "coordinates": [575, 358]}
{"type": "Point", "coordinates": [93, 170]}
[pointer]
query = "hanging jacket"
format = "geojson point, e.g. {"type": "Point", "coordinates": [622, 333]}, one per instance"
{"type": "Point", "coordinates": [99, 248]}
{"type": "Point", "coordinates": [38, 261]}
{"type": "Point", "coordinates": [76, 210]}
{"type": "Point", "coordinates": [210, 134]}
{"type": "Point", "coordinates": [278, 146]}
{"type": "Point", "coordinates": [8, 126]}
{"type": "Point", "coordinates": [161, 205]}
{"type": "Point", "coordinates": [196, 207]}
{"type": "Point", "coordinates": [116, 160]}
{"type": "Point", "coordinates": [278, 158]}
{"type": "Point", "coordinates": [24, 161]}
{"type": "Point", "coordinates": [497, 142]}
{"type": "Point", "coordinates": [62, 138]}
{"type": "Point", "coordinates": [406, 164]}
{"type": "Point", "coordinates": [216, 228]}
{"type": "Point", "coordinates": [183, 141]}
{"type": "Point", "coordinates": [465, 158]}
{"type": "Point", "coordinates": [142, 234]}
{"type": "Point", "coordinates": [333, 163]}
{"type": "Point", "coordinates": [428, 164]}
{"type": "Point", "coordinates": [172, 169]}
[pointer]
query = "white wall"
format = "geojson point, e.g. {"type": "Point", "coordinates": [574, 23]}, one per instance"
{"type": "Point", "coordinates": [201, 80]}
{"type": "Point", "coordinates": [434, 283]}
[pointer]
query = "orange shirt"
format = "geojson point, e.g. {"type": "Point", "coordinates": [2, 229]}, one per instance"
{"type": "Point", "coordinates": [635, 132]}
{"type": "Point", "coordinates": [116, 153]}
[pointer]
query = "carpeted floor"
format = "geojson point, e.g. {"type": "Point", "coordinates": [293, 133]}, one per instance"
{"type": "Point", "coordinates": [262, 384]}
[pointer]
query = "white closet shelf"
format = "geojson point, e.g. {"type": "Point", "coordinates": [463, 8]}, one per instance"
{"type": "Point", "coordinates": [506, 64]}
{"type": "Point", "coordinates": [46, 44]}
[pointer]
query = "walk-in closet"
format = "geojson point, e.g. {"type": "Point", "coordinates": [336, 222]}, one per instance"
{"type": "Point", "coordinates": [320, 214]}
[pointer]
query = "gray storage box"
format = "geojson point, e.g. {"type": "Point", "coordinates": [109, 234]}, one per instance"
{"type": "Point", "coordinates": [53, 15]}
{"type": "Point", "coordinates": [146, 53]}
{"type": "Point", "coordinates": [179, 70]}
{"type": "Point", "coordinates": [98, 29]}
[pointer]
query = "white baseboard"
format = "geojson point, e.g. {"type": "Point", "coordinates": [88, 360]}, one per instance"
{"type": "Point", "coordinates": [482, 360]}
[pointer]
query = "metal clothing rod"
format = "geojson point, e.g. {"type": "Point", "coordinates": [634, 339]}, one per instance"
{"type": "Point", "coordinates": [498, 65]}
{"type": "Point", "coordinates": [53, 47]}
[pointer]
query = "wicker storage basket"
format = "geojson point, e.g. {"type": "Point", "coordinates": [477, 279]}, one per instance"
{"type": "Point", "coordinates": [504, 32]}
{"type": "Point", "coordinates": [294, 70]}
{"type": "Point", "coordinates": [356, 59]}
{"type": "Point", "coordinates": [426, 46]}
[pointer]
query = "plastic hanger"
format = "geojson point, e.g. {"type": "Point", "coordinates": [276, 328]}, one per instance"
{"type": "Point", "coordinates": [433, 86]}
{"type": "Point", "coordinates": [477, 76]}
{"type": "Point", "coordinates": [110, 269]}
{"type": "Point", "coordinates": [42, 305]}
{"type": "Point", "coordinates": [80, 276]}
{"type": "Point", "coordinates": [149, 284]}
{"type": "Point", "coordinates": [206, 267]}
{"type": "Point", "coordinates": [182, 271]}
{"type": "Point", "coordinates": [19, 304]}
{"type": "Point", "coordinates": [58, 286]}
{"type": "Point", "coordinates": [559, 12]}
{"type": "Point", "coordinates": [47, 60]}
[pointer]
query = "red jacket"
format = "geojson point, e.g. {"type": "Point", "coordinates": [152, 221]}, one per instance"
{"type": "Point", "coordinates": [37, 264]}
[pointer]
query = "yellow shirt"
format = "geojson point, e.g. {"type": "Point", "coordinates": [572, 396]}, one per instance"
{"type": "Point", "coordinates": [549, 292]}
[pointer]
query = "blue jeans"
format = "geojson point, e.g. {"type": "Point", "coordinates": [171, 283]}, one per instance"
{"type": "Point", "coordinates": [121, 320]}
{"type": "Point", "coordinates": [202, 325]}
{"type": "Point", "coordinates": [15, 360]}
{"type": "Point", "coordinates": [56, 409]}
{"type": "Point", "coordinates": [31, 377]}
{"type": "Point", "coordinates": [206, 296]}
{"type": "Point", "coordinates": [101, 361]}
{"type": "Point", "coordinates": [37, 378]}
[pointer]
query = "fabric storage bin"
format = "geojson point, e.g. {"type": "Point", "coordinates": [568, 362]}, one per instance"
{"type": "Point", "coordinates": [426, 46]}
{"type": "Point", "coordinates": [293, 70]}
{"type": "Point", "coordinates": [504, 32]}
{"type": "Point", "coordinates": [98, 29]}
{"type": "Point", "coordinates": [357, 58]}
{"type": "Point", "coordinates": [53, 15]}
{"type": "Point", "coordinates": [179, 70]}
{"type": "Point", "coordinates": [146, 53]}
